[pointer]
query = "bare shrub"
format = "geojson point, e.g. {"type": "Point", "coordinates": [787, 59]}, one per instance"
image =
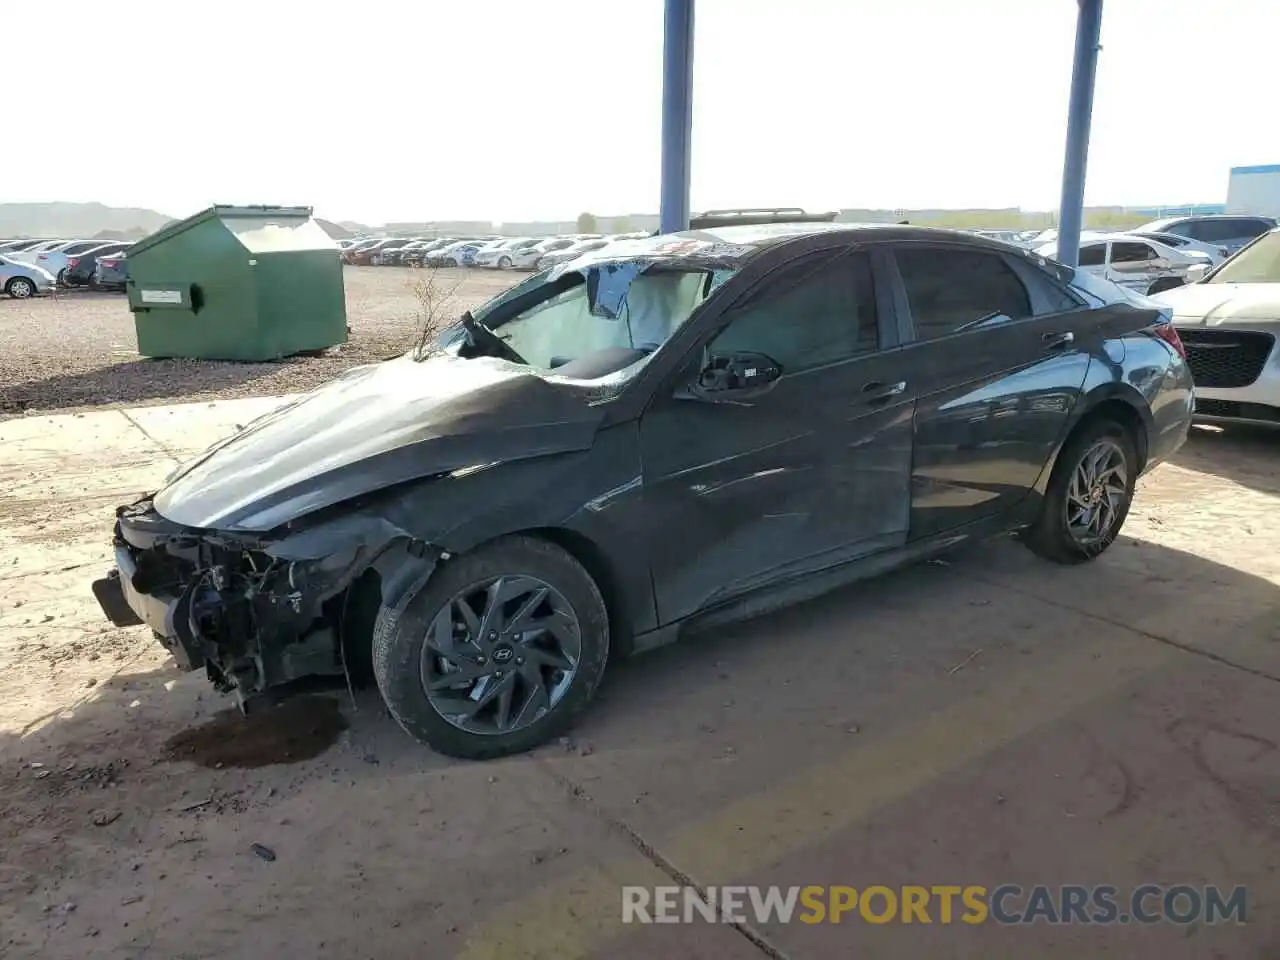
{"type": "Point", "coordinates": [435, 289]}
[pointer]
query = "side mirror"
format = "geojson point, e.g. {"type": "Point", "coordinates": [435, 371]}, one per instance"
{"type": "Point", "coordinates": [1196, 272]}
{"type": "Point", "coordinates": [732, 377]}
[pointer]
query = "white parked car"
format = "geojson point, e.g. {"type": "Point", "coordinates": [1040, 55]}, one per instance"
{"type": "Point", "coordinates": [528, 257]}
{"type": "Point", "coordinates": [21, 280]}
{"type": "Point", "coordinates": [501, 255]}
{"type": "Point", "coordinates": [458, 253]}
{"type": "Point", "coordinates": [1229, 322]}
{"type": "Point", "coordinates": [1213, 251]}
{"type": "Point", "coordinates": [574, 249]}
{"type": "Point", "coordinates": [1129, 260]}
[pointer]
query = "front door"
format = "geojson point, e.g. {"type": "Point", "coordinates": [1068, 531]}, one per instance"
{"type": "Point", "coordinates": [809, 475]}
{"type": "Point", "coordinates": [1006, 350]}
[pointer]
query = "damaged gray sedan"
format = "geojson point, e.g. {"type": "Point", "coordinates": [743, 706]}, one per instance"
{"type": "Point", "coordinates": [665, 434]}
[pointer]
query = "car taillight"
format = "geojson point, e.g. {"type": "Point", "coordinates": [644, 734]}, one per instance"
{"type": "Point", "coordinates": [110, 264]}
{"type": "Point", "coordinates": [1167, 332]}
{"type": "Point", "coordinates": [71, 262]}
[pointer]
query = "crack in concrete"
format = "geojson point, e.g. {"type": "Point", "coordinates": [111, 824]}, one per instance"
{"type": "Point", "coordinates": [143, 430]}
{"type": "Point", "coordinates": [1147, 634]}
{"type": "Point", "coordinates": [647, 850]}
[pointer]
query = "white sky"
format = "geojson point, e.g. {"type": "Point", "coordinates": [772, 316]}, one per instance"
{"type": "Point", "coordinates": [520, 109]}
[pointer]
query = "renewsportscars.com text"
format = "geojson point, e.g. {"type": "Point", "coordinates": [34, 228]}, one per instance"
{"type": "Point", "coordinates": [940, 903]}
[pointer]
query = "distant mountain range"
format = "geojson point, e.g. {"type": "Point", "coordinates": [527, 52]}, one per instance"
{"type": "Point", "coordinates": [86, 220]}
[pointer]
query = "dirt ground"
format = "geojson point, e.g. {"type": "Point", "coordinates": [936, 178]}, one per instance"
{"type": "Point", "coordinates": [77, 350]}
{"type": "Point", "coordinates": [988, 718]}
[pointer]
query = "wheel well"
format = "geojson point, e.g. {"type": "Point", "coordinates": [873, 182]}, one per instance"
{"type": "Point", "coordinates": [594, 561]}
{"type": "Point", "coordinates": [1123, 413]}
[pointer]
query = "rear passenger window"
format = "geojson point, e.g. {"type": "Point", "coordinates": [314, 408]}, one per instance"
{"type": "Point", "coordinates": [1252, 228]}
{"type": "Point", "coordinates": [1094, 255]}
{"type": "Point", "coordinates": [948, 289]}
{"type": "Point", "coordinates": [1129, 252]}
{"type": "Point", "coordinates": [818, 311]}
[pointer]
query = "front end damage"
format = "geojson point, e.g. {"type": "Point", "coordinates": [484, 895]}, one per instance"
{"type": "Point", "coordinates": [257, 612]}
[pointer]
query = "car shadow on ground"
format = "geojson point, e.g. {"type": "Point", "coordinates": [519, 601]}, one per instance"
{"type": "Point", "coordinates": [133, 382]}
{"type": "Point", "coordinates": [134, 713]}
{"type": "Point", "coordinates": [1243, 453]}
{"type": "Point", "coordinates": [151, 762]}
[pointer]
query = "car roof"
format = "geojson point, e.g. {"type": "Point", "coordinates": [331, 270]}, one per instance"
{"type": "Point", "coordinates": [733, 246]}
{"type": "Point", "coordinates": [1157, 225]}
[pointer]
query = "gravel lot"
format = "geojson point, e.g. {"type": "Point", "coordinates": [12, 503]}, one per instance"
{"type": "Point", "coordinates": [77, 350]}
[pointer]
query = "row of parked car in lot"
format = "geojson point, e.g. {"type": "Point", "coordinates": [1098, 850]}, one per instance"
{"type": "Point", "coordinates": [1157, 255]}
{"type": "Point", "coordinates": [31, 266]}
{"type": "Point", "coordinates": [496, 253]}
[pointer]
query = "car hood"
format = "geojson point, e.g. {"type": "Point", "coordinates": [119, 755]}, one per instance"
{"type": "Point", "coordinates": [1217, 304]}
{"type": "Point", "coordinates": [374, 427]}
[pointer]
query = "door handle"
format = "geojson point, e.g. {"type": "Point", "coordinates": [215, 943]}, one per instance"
{"type": "Point", "coordinates": [878, 392]}
{"type": "Point", "coordinates": [1057, 341]}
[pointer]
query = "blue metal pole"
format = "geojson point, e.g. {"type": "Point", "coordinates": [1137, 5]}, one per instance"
{"type": "Point", "coordinates": [1083, 72]}
{"type": "Point", "coordinates": [677, 114]}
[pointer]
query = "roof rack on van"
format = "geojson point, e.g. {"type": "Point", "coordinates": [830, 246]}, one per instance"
{"type": "Point", "coordinates": [728, 218]}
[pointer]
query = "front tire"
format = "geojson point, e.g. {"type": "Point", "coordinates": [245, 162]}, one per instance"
{"type": "Point", "coordinates": [1088, 496]}
{"type": "Point", "coordinates": [504, 263]}
{"type": "Point", "coordinates": [20, 288]}
{"type": "Point", "coordinates": [499, 652]}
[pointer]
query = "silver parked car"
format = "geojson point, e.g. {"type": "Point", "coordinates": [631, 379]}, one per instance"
{"type": "Point", "coordinates": [1130, 260]}
{"type": "Point", "coordinates": [1228, 322]}
{"type": "Point", "coordinates": [21, 280]}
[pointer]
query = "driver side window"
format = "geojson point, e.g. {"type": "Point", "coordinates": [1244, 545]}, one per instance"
{"type": "Point", "coordinates": [817, 311]}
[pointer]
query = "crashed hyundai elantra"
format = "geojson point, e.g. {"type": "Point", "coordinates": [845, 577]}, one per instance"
{"type": "Point", "coordinates": [662, 435]}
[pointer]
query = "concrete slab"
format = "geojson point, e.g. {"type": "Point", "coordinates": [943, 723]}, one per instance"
{"type": "Point", "coordinates": [188, 428]}
{"type": "Point", "coordinates": [985, 720]}
{"type": "Point", "coordinates": [1170, 780]}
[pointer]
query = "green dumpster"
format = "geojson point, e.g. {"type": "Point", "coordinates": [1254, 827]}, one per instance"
{"type": "Point", "coordinates": [237, 283]}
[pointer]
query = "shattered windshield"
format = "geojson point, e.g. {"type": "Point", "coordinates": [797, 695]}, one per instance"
{"type": "Point", "coordinates": [638, 313]}
{"type": "Point", "coordinates": [592, 322]}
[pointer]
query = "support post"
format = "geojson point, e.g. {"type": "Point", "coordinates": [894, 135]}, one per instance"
{"type": "Point", "coordinates": [1080, 112]}
{"type": "Point", "coordinates": [677, 114]}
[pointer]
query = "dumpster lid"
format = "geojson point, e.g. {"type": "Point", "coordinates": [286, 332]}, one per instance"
{"type": "Point", "coordinates": [221, 211]}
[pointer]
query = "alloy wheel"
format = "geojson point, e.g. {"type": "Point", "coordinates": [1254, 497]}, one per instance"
{"type": "Point", "coordinates": [501, 654]}
{"type": "Point", "coordinates": [21, 288]}
{"type": "Point", "coordinates": [1097, 493]}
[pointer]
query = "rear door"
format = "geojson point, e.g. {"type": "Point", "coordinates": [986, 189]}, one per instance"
{"type": "Point", "coordinates": [1006, 349]}
{"type": "Point", "coordinates": [807, 476]}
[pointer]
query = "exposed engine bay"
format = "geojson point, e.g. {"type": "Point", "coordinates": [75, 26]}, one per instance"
{"type": "Point", "coordinates": [254, 620]}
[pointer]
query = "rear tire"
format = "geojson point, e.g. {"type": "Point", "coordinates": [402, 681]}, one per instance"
{"type": "Point", "coordinates": [1087, 500]}
{"type": "Point", "coordinates": [517, 626]}
{"type": "Point", "coordinates": [20, 288]}
{"type": "Point", "coordinates": [504, 263]}
{"type": "Point", "coordinates": [450, 262]}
